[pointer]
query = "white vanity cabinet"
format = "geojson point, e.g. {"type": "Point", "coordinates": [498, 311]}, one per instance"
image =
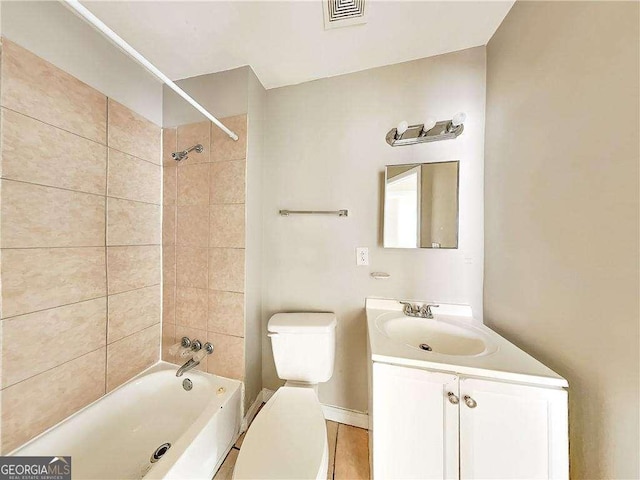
{"type": "Point", "coordinates": [428, 424]}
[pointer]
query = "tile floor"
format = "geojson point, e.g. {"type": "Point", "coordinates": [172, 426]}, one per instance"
{"type": "Point", "coordinates": [348, 454]}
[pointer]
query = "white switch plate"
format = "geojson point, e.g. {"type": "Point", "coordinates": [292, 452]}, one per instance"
{"type": "Point", "coordinates": [362, 256]}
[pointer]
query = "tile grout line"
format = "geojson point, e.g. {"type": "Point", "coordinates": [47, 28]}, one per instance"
{"type": "Point", "coordinates": [82, 355]}
{"type": "Point", "coordinates": [106, 144]}
{"type": "Point", "coordinates": [106, 254]}
{"type": "Point", "coordinates": [12, 317]}
{"type": "Point", "coordinates": [85, 246]}
{"type": "Point", "coordinates": [54, 367]}
{"type": "Point", "coordinates": [105, 196]}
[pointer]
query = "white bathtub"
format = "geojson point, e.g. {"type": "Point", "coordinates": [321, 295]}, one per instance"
{"type": "Point", "coordinates": [115, 437]}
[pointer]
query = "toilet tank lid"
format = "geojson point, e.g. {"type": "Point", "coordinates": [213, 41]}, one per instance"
{"type": "Point", "coordinates": [302, 322]}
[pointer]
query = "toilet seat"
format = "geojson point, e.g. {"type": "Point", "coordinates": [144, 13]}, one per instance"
{"type": "Point", "coordinates": [287, 440]}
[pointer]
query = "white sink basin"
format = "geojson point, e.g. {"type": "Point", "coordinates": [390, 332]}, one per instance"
{"type": "Point", "coordinates": [444, 337]}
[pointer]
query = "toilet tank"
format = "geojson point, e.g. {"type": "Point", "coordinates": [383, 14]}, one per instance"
{"type": "Point", "coordinates": [304, 345]}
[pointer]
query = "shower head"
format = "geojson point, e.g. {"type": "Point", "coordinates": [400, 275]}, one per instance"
{"type": "Point", "coordinates": [184, 154]}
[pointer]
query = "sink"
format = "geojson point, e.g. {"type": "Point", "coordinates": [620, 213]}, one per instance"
{"type": "Point", "coordinates": [444, 337]}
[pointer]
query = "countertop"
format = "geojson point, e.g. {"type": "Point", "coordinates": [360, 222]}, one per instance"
{"type": "Point", "coordinates": [508, 362]}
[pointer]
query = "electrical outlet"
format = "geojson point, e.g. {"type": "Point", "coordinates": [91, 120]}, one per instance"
{"type": "Point", "coordinates": [362, 256]}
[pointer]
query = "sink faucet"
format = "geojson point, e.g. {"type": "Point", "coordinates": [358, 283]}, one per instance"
{"type": "Point", "coordinates": [415, 311]}
{"type": "Point", "coordinates": [197, 357]}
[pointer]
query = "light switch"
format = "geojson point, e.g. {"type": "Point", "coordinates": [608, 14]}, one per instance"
{"type": "Point", "coordinates": [362, 256]}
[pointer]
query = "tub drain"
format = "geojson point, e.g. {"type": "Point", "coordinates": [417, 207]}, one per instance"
{"type": "Point", "coordinates": [424, 346]}
{"type": "Point", "coordinates": [160, 451]}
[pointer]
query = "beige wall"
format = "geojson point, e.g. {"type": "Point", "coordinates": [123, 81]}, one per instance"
{"type": "Point", "coordinates": [56, 34]}
{"type": "Point", "coordinates": [80, 244]}
{"type": "Point", "coordinates": [561, 209]}
{"type": "Point", "coordinates": [257, 105]}
{"type": "Point", "coordinates": [204, 242]}
{"type": "Point", "coordinates": [223, 94]}
{"type": "Point", "coordinates": [326, 149]}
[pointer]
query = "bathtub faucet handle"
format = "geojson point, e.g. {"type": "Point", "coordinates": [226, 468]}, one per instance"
{"type": "Point", "coordinates": [180, 347]}
{"type": "Point", "coordinates": [209, 348]}
{"type": "Point", "coordinates": [196, 345]}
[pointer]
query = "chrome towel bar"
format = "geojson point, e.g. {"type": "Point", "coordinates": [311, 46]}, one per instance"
{"type": "Point", "coordinates": [339, 213]}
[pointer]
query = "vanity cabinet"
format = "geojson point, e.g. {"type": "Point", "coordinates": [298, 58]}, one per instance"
{"type": "Point", "coordinates": [428, 424]}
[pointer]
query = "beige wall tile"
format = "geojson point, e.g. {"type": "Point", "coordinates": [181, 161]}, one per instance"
{"type": "Point", "coordinates": [169, 145]}
{"type": "Point", "coordinates": [193, 184]}
{"type": "Point", "coordinates": [352, 454]}
{"type": "Point", "coordinates": [132, 267]}
{"type": "Point", "coordinates": [133, 311]}
{"type": "Point", "coordinates": [168, 304]}
{"type": "Point", "coordinates": [169, 185]}
{"type": "Point", "coordinates": [191, 307]}
{"type": "Point", "coordinates": [227, 182]}
{"type": "Point", "coordinates": [37, 342]}
{"type": "Point", "coordinates": [133, 179]}
{"type": "Point", "coordinates": [226, 269]}
{"type": "Point", "coordinates": [193, 334]}
{"type": "Point", "coordinates": [226, 313]}
{"type": "Point", "coordinates": [133, 223]}
{"type": "Point", "coordinates": [169, 225]}
{"type": "Point", "coordinates": [191, 267]}
{"type": "Point", "coordinates": [227, 359]}
{"type": "Point", "coordinates": [35, 152]}
{"type": "Point", "coordinates": [32, 406]}
{"type": "Point", "coordinates": [131, 355]}
{"type": "Point", "coordinates": [223, 147]}
{"type": "Point", "coordinates": [133, 134]}
{"type": "Point", "coordinates": [40, 90]}
{"type": "Point", "coordinates": [39, 278]}
{"type": "Point", "coordinates": [168, 340]}
{"type": "Point", "coordinates": [193, 134]}
{"type": "Point", "coordinates": [35, 216]}
{"type": "Point", "coordinates": [193, 225]}
{"type": "Point", "coordinates": [169, 264]}
{"type": "Point", "coordinates": [227, 226]}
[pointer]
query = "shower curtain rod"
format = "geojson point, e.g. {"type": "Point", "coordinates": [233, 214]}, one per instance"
{"type": "Point", "coordinates": [83, 12]}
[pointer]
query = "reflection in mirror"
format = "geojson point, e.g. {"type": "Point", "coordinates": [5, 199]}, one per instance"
{"type": "Point", "coordinates": [421, 205]}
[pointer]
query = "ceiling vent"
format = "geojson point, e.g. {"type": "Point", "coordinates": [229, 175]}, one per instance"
{"type": "Point", "coordinates": [343, 13]}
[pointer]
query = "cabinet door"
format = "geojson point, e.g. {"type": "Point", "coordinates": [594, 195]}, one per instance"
{"type": "Point", "coordinates": [415, 426]}
{"type": "Point", "coordinates": [512, 431]}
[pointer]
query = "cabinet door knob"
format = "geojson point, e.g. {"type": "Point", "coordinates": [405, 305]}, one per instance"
{"type": "Point", "coordinates": [470, 402]}
{"type": "Point", "coordinates": [452, 398]}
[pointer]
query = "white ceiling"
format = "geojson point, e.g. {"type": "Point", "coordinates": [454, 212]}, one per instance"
{"type": "Point", "coordinates": [286, 43]}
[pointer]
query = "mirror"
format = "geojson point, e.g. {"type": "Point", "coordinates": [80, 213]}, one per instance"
{"type": "Point", "coordinates": [421, 205]}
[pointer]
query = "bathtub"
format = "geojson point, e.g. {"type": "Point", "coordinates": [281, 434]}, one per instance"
{"type": "Point", "coordinates": [116, 436]}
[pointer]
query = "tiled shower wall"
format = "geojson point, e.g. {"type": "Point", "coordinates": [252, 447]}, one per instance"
{"type": "Point", "coordinates": [80, 245]}
{"type": "Point", "coordinates": [203, 237]}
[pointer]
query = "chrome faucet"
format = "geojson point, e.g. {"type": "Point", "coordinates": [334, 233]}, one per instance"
{"type": "Point", "coordinates": [197, 357]}
{"type": "Point", "coordinates": [424, 311]}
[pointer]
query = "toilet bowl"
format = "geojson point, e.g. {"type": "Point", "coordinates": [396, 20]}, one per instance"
{"type": "Point", "coordinates": [288, 438]}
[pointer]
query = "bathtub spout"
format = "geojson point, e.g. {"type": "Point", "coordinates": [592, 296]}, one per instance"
{"type": "Point", "coordinates": [191, 363]}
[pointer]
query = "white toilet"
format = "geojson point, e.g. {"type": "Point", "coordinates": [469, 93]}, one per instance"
{"type": "Point", "coordinates": [288, 439]}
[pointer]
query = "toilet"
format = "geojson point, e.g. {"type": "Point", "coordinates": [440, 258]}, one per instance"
{"type": "Point", "coordinates": [288, 438]}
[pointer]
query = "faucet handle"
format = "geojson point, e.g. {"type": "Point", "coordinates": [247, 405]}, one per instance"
{"type": "Point", "coordinates": [408, 308]}
{"type": "Point", "coordinates": [427, 309]}
{"type": "Point", "coordinates": [208, 347]}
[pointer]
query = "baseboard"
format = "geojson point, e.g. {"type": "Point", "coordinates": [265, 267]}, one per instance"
{"type": "Point", "coordinates": [253, 410]}
{"type": "Point", "coordinates": [267, 394]}
{"type": "Point", "coordinates": [346, 416]}
{"type": "Point", "coordinates": [335, 414]}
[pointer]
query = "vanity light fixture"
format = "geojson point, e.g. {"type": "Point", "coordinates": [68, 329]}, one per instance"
{"type": "Point", "coordinates": [429, 131]}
